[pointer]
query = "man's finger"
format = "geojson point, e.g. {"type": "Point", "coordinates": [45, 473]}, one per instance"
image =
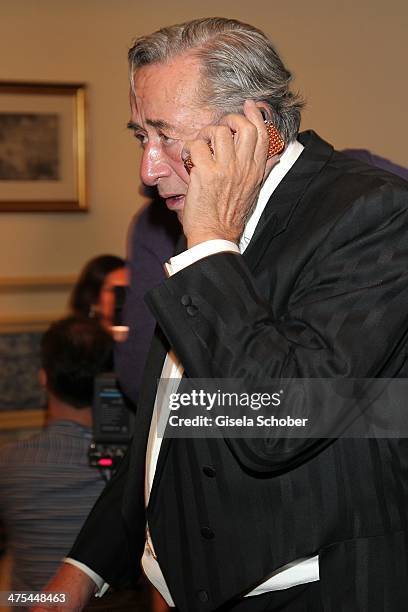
{"type": "Point", "coordinates": [245, 133]}
{"type": "Point", "coordinates": [220, 140]}
{"type": "Point", "coordinates": [196, 152]}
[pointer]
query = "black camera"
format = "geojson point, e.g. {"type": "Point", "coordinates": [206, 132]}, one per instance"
{"type": "Point", "coordinates": [113, 424]}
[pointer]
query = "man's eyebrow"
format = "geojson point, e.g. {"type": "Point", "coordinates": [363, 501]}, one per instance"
{"type": "Point", "coordinates": [156, 123]}
{"type": "Point", "coordinates": [160, 124]}
{"type": "Point", "coordinates": [131, 125]}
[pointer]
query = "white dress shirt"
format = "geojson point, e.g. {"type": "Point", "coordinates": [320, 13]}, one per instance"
{"type": "Point", "coordinates": [297, 572]}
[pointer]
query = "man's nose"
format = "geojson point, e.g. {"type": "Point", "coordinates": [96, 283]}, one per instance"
{"type": "Point", "coordinates": [153, 165]}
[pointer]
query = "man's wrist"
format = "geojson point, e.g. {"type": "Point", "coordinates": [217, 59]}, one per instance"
{"type": "Point", "coordinates": [76, 586]}
{"type": "Point", "coordinates": [198, 238]}
{"type": "Point", "coordinates": [197, 252]}
{"type": "Point", "coordinates": [100, 585]}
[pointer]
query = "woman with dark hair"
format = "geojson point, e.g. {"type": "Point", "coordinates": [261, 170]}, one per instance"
{"type": "Point", "coordinates": [94, 292]}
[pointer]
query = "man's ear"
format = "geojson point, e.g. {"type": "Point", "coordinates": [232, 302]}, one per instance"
{"type": "Point", "coordinates": [276, 141]}
{"type": "Point", "coordinates": [42, 378]}
{"type": "Point", "coordinates": [265, 110]}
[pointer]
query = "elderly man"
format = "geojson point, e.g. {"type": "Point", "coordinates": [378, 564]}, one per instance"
{"type": "Point", "coordinates": [295, 266]}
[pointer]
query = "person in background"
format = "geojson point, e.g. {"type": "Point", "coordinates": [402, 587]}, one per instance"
{"type": "Point", "coordinates": [153, 236]}
{"type": "Point", "coordinates": [46, 485]}
{"type": "Point", "coordinates": [93, 294]}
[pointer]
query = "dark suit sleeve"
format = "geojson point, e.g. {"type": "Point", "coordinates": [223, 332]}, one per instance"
{"type": "Point", "coordinates": [103, 543]}
{"type": "Point", "coordinates": [346, 315]}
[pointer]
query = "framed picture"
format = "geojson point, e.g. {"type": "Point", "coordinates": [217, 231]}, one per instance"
{"type": "Point", "coordinates": [42, 147]}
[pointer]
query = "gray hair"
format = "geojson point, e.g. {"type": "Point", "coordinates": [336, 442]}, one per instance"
{"type": "Point", "coordinates": [238, 63]}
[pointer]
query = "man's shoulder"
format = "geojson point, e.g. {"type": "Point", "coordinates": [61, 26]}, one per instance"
{"type": "Point", "coordinates": [341, 167]}
{"type": "Point", "coordinates": [337, 182]}
{"type": "Point", "coordinates": [377, 161]}
{"type": "Point", "coordinates": [13, 451]}
{"type": "Point", "coordinates": [50, 444]}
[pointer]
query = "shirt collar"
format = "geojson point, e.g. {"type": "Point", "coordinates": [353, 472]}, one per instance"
{"type": "Point", "coordinates": [288, 158]}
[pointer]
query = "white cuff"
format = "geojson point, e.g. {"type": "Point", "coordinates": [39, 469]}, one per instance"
{"type": "Point", "coordinates": [98, 580]}
{"type": "Point", "coordinates": [199, 251]}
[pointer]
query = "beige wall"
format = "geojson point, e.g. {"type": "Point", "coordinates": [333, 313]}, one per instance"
{"type": "Point", "coordinates": [349, 57]}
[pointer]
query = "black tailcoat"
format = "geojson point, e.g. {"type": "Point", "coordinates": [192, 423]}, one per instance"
{"type": "Point", "coordinates": [321, 291]}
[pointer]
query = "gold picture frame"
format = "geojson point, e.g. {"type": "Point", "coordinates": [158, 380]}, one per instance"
{"type": "Point", "coordinates": [42, 147]}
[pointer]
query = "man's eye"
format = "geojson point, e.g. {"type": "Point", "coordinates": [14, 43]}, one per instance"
{"type": "Point", "coordinates": [166, 140]}
{"type": "Point", "coordinates": [142, 138]}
